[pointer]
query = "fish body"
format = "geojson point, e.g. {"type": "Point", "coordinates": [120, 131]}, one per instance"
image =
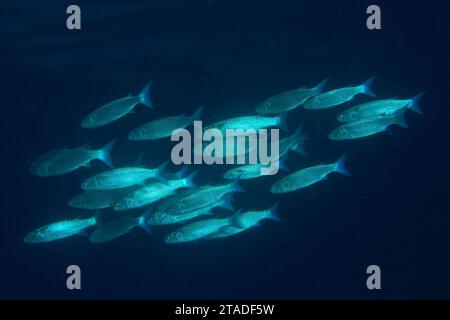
{"type": "Point", "coordinates": [197, 230]}
{"type": "Point", "coordinates": [306, 177]}
{"type": "Point", "coordinates": [115, 228]}
{"type": "Point", "coordinates": [151, 193]}
{"type": "Point", "coordinates": [162, 218]}
{"type": "Point", "coordinates": [367, 127]}
{"type": "Point", "coordinates": [96, 200]}
{"type": "Point", "coordinates": [250, 122]}
{"type": "Point", "coordinates": [116, 109]}
{"type": "Point", "coordinates": [250, 171]}
{"type": "Point", "coordinates": [121, 178]}
{"type": "Point", "coordinates": [63, 161]}
{"type": "Point", "coordinates": [339, 96]}
{"type": "Point", "coordinates": [59, 230]}
{"type": "Point", "coordinates": [247, 220]}
{"type": "Point", "coordinates": [162, 128]}
{"type": "Point", "coordinates": [384, 107]}
{"type": "Point", "coordinates": [198, 198]}
{"type": "Point", "coordinates": [288, 100]}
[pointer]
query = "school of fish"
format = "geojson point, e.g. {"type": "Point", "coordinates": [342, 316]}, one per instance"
{"type": "Point", "coordinates": [204, 212]}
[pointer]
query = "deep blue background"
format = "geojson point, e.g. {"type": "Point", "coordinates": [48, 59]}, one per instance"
{"type": "Point", "coordinates": [229, 56]}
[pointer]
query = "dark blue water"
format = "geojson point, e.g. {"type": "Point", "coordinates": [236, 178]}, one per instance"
{"type": "Point", "coordinates": [229, 56]}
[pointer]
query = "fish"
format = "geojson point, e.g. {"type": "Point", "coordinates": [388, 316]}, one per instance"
{"type": "Point", "coordinates": [153, 192]}
{"type": "Point", "coordinates": [116, 109]}
{"type": "Point", "coordinates": [339, 96]}
{"type": "Point", "coordinates": [380, 108]}
{"type": "Point", "coordinates": [198, 230]}
{"type": "Point", "coordinates": [63, 161]}
{"type": "Point", "coordinates": [162, 218]}
{"type": "Point", "coordinates": [367, 127]}
{"type": "Point", "coordinates": [250, 171]}
{"type": "Point", "coordinates": [197, 198]}
{"type": "Point", "coordinates": [164, 127]}
{"type": "Point", "coordinates": [289, 100]}
{"type": "Point", "coordinates": [116, 228]}
{"type": "Point", "coordinates": [60, 230]}
{"type": "Point", "coordinates": [123, 177]}
{"type": "Point", "coordinates": [247, 220]}
{"type": "Point", "coordinates": [295, 142]}
{"type": "Point", "coordinates": [255, 122]}
{"type": "Point", "coordinates": [308, 176]}
{"type": "Point", "coordinates": [95, 200]}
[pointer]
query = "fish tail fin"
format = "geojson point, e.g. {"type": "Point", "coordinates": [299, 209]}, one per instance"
{"type": "Point", "coordinates": [400, 118]}
{"type": "Point", "coordinates": [298, 138]}
{"type": "Point", "coordinates": [144, 96]}
{"type": "Point", "coordinates": [142, 222]}
{"type": "Point", "coordinates": [414, 106]}
{"type": "Point", "coordinates": [341, 167]}
{"type": "Point", "coordinates": [282, 122]}
{"type": "Point", "coordinates": [235, 221]}
{"type": "Point", "coordinates": [282, 164]}
{"type": "Point", "coordinates": [366, 87]}
{"type": "Point", "coordinates": [105, 153]}
{"type": "Point", "coordinates": [226, 203]}
{"type": "Point", "coordinates": [98, 218]}
{"type": "Point", "coordinates": [190, 180]}
{"type": "Point", "coordinates": [162, 168]}
{"type": "Point", "coordinates": [197, 114]}
{"type": "Point", "coordinates": [319, 88]}
{"type": "Point", "coordinates": [235, 187]}
{"type": "Point", "coordinates": [274, 212]}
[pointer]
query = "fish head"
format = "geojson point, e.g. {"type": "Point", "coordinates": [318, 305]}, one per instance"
{"type": "Point", "coordinates": [88, 122]}
{"type": "Point", "coordinates": [34, 237]}
{"type": "Point", "coordinates": [338, 134]}
{"type": "Point", "coordinates": [90, 184]}
{"type": "Point", "coordinates": [41, 169]}
{"type": "Point", "coordinates": [136, 134]}
{"type": "Point", "coordinates": [263, 107]}
{"type": "Point", "coordinates": [173, 237]}
{"type": "Point", "coordinates": [276, 188]}
{"type": "Point", "coordinates": [343, 116]}
{"type": "Point", "coordinates": [75, 202]}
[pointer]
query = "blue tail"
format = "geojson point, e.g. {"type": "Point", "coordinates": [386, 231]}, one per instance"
{"type": "Point", "coordinates": [235, 187]}
{"type": "Point", "coordinates": [105, 153]}
{"type": "Point", "coordinates": [144, 96]}
{"type": "Point", "coordinates": [282, 164]}
{"type": "Point", "coordinates": [282, 122]}
{"type": "Point", "coordinates": [162, 168]}
{"type": "Point", "coordinates": [274, 213]}
{"type": "Point", "coordinates": [414, 106]}
{"type": "Point", "coordinates": [340, 165]}
{"type": "Point", "coordinates": [227, 202]}
{"type": "Point", "coordinates": [400, 118]}
{"type": "Point", "coordinates": [143, 223]}
{"type": "Point", "coordinates": [235, 220]}
{"type": "Point", "coordinates": [320, 86]}
{"type": "Point", "coordinates": [366, 87]}
{"type": "Point", "coordinates": [197, 114]}
{"type": "Point", "coordinates": [298, 139]}
{"type": "Point", "coordinates": [190, 180]}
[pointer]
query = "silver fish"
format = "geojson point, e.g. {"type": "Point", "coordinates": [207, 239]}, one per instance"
{"type": "Point", "coordinates": [122, 178]}
{"type": "Point", "coordinates": [66, 160]}
{"type": "Point", "coordinates": [95, 200]}
{"type": "Point", "coordinates": [198, 230]}
{"type": "Point", "coordinates": [59, 230]}
{"type": "Point", "coordinates": [379, 108]}
{"type": "Point", "coordinates": [152, 193]}
{"type": "Point", "coordinates": [162, 218]}
{"type": "Point", "coordinates": [339, 96]}
{"type": "Point", "coordinates": [198, 198]}
{"type": "Point", "coordinates": [289, 100]}
{"type": "Point", "coordinates": [306, 177]}
{"type": "Point", "coordinates": [162, 128]}
{"type": "Point", "coordinates": [117, 109]}
{"type": "Point", "coordinates": [247, 220]}
{"type": "Point", "coordinates": [116, 228]}
{"type": "Point", "coordinates": [367, 127]}
{"type": "Point", "coordinates": [250, 122]}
